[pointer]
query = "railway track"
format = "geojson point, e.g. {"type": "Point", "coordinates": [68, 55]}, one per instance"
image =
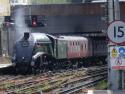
{"type": "Point", "coordinates": [76, 86]}
{"type": "Point", "coordinates": [63, 82]}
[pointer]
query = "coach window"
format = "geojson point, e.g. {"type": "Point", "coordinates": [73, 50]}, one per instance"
{"type": "Point", "coordinates": [95, 43]}
{"type": "Point", "coordinates": [78, 43]}
{"type": "Point", "coordinates": [71, 46]}
{"type": "Point", "coordinates": [85, 46]}
{"type": "Point", "coordinates": [70, 43]}
{"type": "Point", "coordinates": [103, 45]}
{"type": "Point", "coordinates": [73, 43]}
{"type": "Point", "coordinates": [76, 46]}
{"type": "Point", "coordinates": [81, 47]}
{"type": "Point", "coordinates": [100, 45]}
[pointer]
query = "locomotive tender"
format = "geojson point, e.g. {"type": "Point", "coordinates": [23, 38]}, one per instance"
{"type": "Point", "coordinates": [44, 51]}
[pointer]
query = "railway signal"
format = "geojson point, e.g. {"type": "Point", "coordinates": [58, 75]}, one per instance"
{"type": "Point", "coordinates": [35, 22]}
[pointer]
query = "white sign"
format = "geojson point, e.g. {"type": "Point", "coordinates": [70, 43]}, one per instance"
{"type": "Point", "coordinates": [4, 7]}
{"type": "Point", "coordinates": [117, 57]}
{"type": "Point", "coordinates": [20, 2]}
{"type": "Point", "coordinates": [116, 32]}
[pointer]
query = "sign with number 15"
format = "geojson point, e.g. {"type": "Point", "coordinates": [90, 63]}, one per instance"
{"type": "Point", "coordinates": [116, 32]}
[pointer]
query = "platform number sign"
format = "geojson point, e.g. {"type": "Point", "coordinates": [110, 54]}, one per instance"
{"type": "Point", "coordinates": [116, 32]}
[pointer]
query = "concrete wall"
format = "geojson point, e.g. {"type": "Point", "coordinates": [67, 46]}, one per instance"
{"type": "Point", "coordinates": [71, 25]}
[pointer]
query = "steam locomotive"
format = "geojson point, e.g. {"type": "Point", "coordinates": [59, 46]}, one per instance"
{"type": "Point", "coordinates": [40, 51]}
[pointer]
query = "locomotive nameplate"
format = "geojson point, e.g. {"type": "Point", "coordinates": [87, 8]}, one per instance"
{"type": "Point", "coordinates": [116, 32]}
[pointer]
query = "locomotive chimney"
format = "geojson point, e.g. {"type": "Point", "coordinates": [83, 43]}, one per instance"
{"type": "Point", "coordinates": [26, 35]}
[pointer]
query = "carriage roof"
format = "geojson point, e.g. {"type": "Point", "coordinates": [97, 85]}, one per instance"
{"type": "Point", "coordinates": [74, 38]}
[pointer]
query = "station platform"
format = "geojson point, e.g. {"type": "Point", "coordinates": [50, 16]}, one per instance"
{"type": "Point", "coordinates": [5, 65]}
{"type": "Point", "coordinates": [5, 62]}
{"type": "Point", "coordinates": [105, 92]}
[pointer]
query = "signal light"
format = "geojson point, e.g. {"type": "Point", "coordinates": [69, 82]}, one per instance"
{"type": "Point", "coordinates": [34, 23]}
{"type": "Point", "coordinates": [34, 20]}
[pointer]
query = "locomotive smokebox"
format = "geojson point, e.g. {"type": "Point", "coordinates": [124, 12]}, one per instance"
{"type": "Point", "coordinates": [26, 35]}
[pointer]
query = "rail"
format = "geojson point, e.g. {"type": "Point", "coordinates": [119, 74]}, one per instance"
{"type": "Point", "coordinates": [63, 82]}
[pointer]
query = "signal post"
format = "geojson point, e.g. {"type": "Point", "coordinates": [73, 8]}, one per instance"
{"type": "Point", "coordinates": [116, 43]}
{"type": "Point", "coordinates": [116, 54]}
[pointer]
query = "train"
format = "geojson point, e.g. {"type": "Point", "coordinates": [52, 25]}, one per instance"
{"type": "Point", "coordinates": [40, 51]}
